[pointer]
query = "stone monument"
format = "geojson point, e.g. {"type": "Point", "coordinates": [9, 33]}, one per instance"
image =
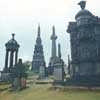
{"type": "Point", "coordinates": [42, 73]}
{"type": "Point", "coordinates": [85, 45]}
{"type": "Point", "coordinates": [56, 64]}
{"type": "Point", "coordinates": [58, 67]}
{"type": "Point", "coordinates": [11, 50]}
{"type": "Point", "coordinates": [53, 52]}
{"type": "Point", "coordinates": [38, 57]}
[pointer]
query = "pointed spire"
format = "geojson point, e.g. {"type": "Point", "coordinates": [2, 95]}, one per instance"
{"type": "Point", "coordinates": [59, 51]}
{"type": "Point", "coordinates": [38, 30]}
{"type": "Point", "coordinates": [13, 34]}
{"type": "Point", "coordinates": [82, 4]}
{"type": "Point", "coordinates": [53, 30]}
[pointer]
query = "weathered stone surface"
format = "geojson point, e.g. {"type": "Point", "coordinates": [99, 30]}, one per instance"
{"type": "Point", "coordinates": [38, 57]}
{"type": "Point", "coordinates": [85, 44]}
{"type": "Point", "coordinates": [11, 50]}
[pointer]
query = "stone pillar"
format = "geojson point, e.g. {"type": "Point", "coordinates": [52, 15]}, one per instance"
{"type": "Point", "coordinates": [53, 38]}
{"type": "Point", "coordinates": [59, 51]}
{"type": "Point", "coordinates": [6, 59]}
{"type": "Point", "coordinates": [16, 56]}
{"type": "Point", "coordinates": [11, 58]}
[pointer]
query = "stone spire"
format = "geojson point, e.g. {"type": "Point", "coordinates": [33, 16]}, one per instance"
{"type": "Point", "coordinates": [59, 51]}
{"type": "Point", "coordinates": [38, 41]}
{"type": "Point", "coordinates": [39, 30]}
{"type": "Point", "coordinates": [38, 56]}
{"type": "Point", "coordinates": [53, 38]}
{"type": "Point", "coordinates": [82, 4]}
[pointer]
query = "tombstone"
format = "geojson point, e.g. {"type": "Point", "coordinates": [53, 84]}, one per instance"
{"type": "Point", "coordinates": [59, 67]}
{"type": "Point", "coordinates": [58, 72]}
{"type": "Point", "coordinates": [42, 72]}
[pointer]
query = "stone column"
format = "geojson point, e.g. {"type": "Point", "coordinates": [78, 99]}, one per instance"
{"type": "Point", "coordinates": [11, 58]}
{"type": "Point", "coordinates": [59, 51]}
{"type": "Point", "coordinates": [16, 56]}
{"type": "Point", "coordinates": [6, 59]}
{"type": "Point", "coordinates": [53, 38]}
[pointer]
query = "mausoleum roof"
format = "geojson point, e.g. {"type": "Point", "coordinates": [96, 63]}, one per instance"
{"type": "Point", "coordinates": [83, 12]}
{"type": "Point", "coordinates": [12, 43]}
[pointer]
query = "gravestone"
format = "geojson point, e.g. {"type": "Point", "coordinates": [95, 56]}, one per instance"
{"type": "Point", "coordinates": [42, 72]}
{"type": "Point", "coordinates": [58, 73]}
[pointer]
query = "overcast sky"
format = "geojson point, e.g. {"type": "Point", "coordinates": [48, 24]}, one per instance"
{"type": "Point", "coordinates": [22, 18]}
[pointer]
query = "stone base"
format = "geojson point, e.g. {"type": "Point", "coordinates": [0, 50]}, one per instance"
{"type": "Point", "coordinates": [59, 82]}
{"type": "Point", "coordinates": [93, 80]}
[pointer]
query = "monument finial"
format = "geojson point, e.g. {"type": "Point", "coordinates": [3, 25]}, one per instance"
{"type": "Point", "coordinates": [59, 51]}
{"type": "Point", "coordinates": [13, 34]}
{"type": "Point", "coordinates": [53, 29]}
{"type": "Point", "coordinates": [82, 4]}
{"type": "Point", "coordinates": [38, 29]}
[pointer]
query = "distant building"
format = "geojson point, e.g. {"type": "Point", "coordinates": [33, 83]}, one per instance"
{"type": "Point", "coordinates": [38, 57]}
{"type": "Point", "coordinates": [85, 44]}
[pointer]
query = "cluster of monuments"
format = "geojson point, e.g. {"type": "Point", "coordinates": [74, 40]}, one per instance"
{"type": "Point", "coordinates": [56, 64]}
{"type": "Point", "coordinates": [84, 65]}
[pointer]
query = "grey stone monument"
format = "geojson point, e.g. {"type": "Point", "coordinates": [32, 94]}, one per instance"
{"type": "Point", "coordinates": [42, 72]}
{"type": "Point", "coordinates": [38, 57]}
{"type": "Point", "coordinates": [11, 50]}
{"type": "Point", "coordinates": [85, 45]}
{"type": "Point", "coordinates": [59, 67]}
{"type": "Point", "coordinates": [53, 52]}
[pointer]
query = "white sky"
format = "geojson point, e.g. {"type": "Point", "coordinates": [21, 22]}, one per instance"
{"type": "Point", "coordinates": [23, 16]}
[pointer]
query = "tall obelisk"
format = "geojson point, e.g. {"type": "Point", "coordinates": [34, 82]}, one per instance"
{"type": "Point", "coordinates": [53, 38]}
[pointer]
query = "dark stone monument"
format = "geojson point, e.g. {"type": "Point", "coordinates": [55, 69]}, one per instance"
{"type": "Point", "coordinates": [11, 50]}
{"type": "Point", "coordinates": [11, 58]}
{"type": "Point", "coordinates": [38, 57]}
{"type": "Point", "coordinates": [56, 64]}
{"type": "Point", "coordinates": [53, 52]}
{"type": "Point", "coordinates": [85, 45]}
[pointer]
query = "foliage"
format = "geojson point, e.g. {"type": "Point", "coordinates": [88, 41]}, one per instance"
{"type": "Point", "coordinates": [27, 65]}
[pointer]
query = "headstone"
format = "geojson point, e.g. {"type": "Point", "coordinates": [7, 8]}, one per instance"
{"type": "Point", "coordinates": [42, 72]}
{"type": "Point", "coordinates": [58, 73]}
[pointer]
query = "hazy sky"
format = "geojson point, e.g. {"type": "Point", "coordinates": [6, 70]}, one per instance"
{"type": "Point", "coordinates": [22, 18]}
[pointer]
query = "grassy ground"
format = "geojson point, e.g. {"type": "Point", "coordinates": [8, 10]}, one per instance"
{"type": "Point", "coordinates": [43, 92]}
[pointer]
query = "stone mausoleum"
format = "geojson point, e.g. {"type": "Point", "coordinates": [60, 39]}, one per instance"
{"type": "Point", "coordinates": [85, 44]}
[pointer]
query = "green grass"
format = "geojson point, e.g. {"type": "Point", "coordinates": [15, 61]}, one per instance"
{"type": "Point", "coordinates": [43, 92]}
